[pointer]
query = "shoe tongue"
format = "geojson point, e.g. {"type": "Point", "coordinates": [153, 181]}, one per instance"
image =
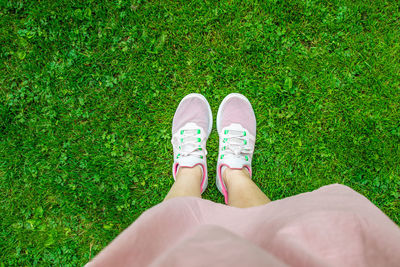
{"type": "Point", "coordinates": [236, 163]}
{"type": "Point", "coordinates": [188, 161]}
{"type": "Point", "coordinates": [235, 127]}
{"type": "Point", "coordinates": [190, 125]}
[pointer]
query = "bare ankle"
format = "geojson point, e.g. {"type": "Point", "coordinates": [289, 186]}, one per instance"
{"type": "Point", "coordinates": [235, 174]}
{"type": "Point", "coordinates": [195, 171]}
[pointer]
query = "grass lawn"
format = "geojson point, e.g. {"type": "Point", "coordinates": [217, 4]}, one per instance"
{"type": "Point", "coordinates": [88, 90]}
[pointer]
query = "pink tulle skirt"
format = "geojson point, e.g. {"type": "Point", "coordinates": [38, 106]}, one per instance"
{"type": "Point", "coordinates": [332, 226]}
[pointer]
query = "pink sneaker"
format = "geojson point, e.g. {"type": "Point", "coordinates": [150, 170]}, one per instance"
{"type": "Point", "coordinates": [191, 127]}
{"type": "Point", "coordinates": [236, 125]}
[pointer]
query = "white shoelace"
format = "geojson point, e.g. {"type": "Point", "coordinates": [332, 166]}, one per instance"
{"type": "Point", "coordinates": [189, 143]}
{"type": "Point", "coordinates": [235, 144]}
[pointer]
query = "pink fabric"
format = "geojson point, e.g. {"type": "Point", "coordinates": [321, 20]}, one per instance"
{"type": "Point", "coordinates": [332, 226]}
{"type": "Point", "coordinates": [237, 110]}
{"type": "Point", "coordinates": [193, 109]}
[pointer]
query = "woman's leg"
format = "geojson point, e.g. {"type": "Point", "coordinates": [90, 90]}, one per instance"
{"type": "Point", "coordinates": [187, 183]}
{"type": "Point", "coordinates": [242, 191]}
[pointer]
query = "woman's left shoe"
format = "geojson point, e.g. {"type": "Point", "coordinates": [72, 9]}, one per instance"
{"type": "Point", "coordinates": [191, 127]}
{"type": "Point", "coordinates": [236, 125]}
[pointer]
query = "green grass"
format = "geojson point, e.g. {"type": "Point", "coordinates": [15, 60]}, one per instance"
{"type": "Point", "coordinates": [88, 91]}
